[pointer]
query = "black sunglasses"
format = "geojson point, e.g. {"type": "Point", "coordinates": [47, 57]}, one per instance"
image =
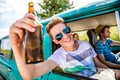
{"type": "Point", "coordinates": [66, 30]}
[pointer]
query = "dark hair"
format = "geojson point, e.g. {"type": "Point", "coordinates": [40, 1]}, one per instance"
{"type": "Point", "coordinates": [106, 26]}
{"type": "Point", "coordinates": [103, 29]}
{"type": "Point", "coordinates": [75, 34]}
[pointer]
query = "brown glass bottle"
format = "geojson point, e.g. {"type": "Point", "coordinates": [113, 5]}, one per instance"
{"type": "Point", "coordinates": [33, 42]}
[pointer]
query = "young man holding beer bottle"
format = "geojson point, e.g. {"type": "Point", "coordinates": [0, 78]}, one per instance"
{"type": "Point", "coordinates": [68, 56]}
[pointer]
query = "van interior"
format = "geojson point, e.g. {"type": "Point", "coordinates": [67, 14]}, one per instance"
{"type": "Point", "coordinates": [93, 22]}
{"type": "Point", "coordinates": [86, 27]}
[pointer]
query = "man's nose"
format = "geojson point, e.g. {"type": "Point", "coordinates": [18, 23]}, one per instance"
{"type": "Point", "coordinates": [64, 35]}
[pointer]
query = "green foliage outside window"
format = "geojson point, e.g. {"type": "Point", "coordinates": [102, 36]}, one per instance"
{"type": "Point", "coordinates": [52, 7]}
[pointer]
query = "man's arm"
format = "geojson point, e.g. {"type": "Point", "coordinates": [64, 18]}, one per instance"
{"type": "Point", "coordinates": [99, 64]}
{"type": "Point", "coordinates": [107, 63]}
{"type": "Point", "coordinates": [17, 31]}
{"type": "Point", "coordinates": [115, 43]}
{"type": "Point", "coordinates": [44, 67]}
{"type": "Point", "coordinates": [32, 70]}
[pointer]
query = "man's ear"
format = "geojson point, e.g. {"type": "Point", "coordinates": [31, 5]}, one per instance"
{"type": "Point", "coordinates": [55, 41]}
{"type": "Point", "coordinates": [101, 33]}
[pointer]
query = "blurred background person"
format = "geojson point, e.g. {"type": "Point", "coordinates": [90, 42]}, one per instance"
{"type": "Point", "coordinates": [75, 36]}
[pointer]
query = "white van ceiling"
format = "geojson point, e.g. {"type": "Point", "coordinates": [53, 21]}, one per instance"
{"type": "Point", "coordinates": [93, 22]}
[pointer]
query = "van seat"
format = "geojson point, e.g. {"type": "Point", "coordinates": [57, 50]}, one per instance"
{"type": "Point", "coordinates": [92, 37]}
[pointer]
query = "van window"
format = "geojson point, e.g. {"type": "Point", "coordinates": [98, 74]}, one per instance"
{"type": "Point", "coordinates": [5, 47]}
{"type": "Point", "coordinates": [82, 35]}
{"type": "Point", "coordinates": [114, 35]}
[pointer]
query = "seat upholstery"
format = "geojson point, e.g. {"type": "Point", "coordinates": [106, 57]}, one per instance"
{"type": "Point", "coordinates": [92, 37]}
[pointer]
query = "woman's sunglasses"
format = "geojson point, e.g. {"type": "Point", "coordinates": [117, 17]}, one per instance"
{"type": "Point", "coordinates": [66, 30]}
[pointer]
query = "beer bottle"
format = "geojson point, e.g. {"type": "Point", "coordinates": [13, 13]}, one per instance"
{"type": "Point", "coordinates": [33, 42]}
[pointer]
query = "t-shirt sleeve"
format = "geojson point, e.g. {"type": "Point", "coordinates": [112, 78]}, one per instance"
{"type": "Point", "coordinates": [109, 41]}
{"type": "Point", "coordinates": [99, 48]}
{"type": "Point", "coordinates": [56, 57]}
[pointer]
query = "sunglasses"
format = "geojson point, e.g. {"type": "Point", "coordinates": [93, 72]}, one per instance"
{"type": "Point", "coordinates": [66, 30]}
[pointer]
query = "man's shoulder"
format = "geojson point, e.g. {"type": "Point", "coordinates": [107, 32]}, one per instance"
{"type": "Point", "coordinates": [58, 50]}
{"type": "Point", "coordinates": [99, 43]}
{"type": "Point", "coordinates": [109, 40]}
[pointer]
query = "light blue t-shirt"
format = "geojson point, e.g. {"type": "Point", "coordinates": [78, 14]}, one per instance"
{"type": "Point", "coordinates": [105, 49]}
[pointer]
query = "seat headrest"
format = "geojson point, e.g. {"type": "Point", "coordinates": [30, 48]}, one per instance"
{"type": "Point", "coordinates": [92, 36]}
